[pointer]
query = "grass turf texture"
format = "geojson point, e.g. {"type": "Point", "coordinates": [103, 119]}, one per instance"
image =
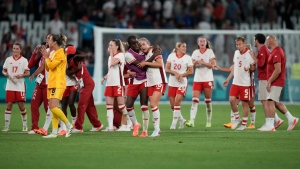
{"type": "Point", "coordinates": [198, 147]}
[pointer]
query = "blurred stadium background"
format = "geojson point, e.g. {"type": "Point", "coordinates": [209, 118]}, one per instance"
{"type": "Point", "coordinates": [163, 22]}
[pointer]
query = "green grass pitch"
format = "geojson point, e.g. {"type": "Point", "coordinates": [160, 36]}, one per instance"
{"type": "Point", "coordinates": [198, 147]}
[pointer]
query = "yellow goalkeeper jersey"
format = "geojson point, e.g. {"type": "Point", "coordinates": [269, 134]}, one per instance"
{"type": "Point", "coordinates": [56, 66]}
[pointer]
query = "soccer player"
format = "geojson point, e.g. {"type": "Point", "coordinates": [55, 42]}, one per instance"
{"type": "Point", "coordinates": [179, 65]}
{"type": "Point", "coordinates": [276, 67]}
{"type": "Point", "coordinates": [241, 85]}
{"type": "Point", "coordinates": [77, 68]}
{"type": "Point", "coordinates": [203, 59]}
{"type": "Point", "coordinates": [56, 66]}
{"type": "Point", "coordinates": [156, 81]}
{"type": "Point", "coordinates": [115, 85]}
{"type": "Point", "coordinates": [39, 94]}
{"type": "Point", "coordinates": [15, 68]}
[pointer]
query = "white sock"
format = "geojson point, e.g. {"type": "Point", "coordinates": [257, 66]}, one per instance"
{"type": "Point", "coordinates": [156, 117]}
{"type": "Point", "coordinates": [194, 108]}
{"type": "Point", "coordinates": [232, 118]}
{"type": "Point", "coordinates": [236, 115]}
{"type": "Point", "coordinates": [289, 116]}
{"type": "Point", "coordinates": [54, 131]}
{"type": "Point", "coordinates": [208, 109]}
{"type": "Point", "coordinates": [145, 117]}
{"type": "Point", "coordinates": [252, 115]}
{"type": "Point", "coordinates": [270, 122]}
{"type": "Point", "coordinates": [74, 119]}
{"type": "Point", "coordinates": [176, 114]}
{"type": "Point", "coordinates": [244, 121]}
{"type": "Point", "coordinates": [62, 125]}
{"type": "Point", "coordinates": [110, 116]}
{"type": "Point", "coordinates": [24, 118]}
{"type": "Point", "coordinates": [7, 118]}
{"type": "Point", "coordinates": [131, 114]}
{"type": "Point", "coordinates": [48, 119]}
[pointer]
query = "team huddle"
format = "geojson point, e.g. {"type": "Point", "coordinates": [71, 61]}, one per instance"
{"type": "Point", "coordinates": [136, 69]}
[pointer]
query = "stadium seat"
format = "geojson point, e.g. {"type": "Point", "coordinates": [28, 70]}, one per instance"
{"type": "Point", "coordinates": [21, 18]}
{"type": "Point", "coordinates": [266, 26]}
{"type": "Point", "coordinates": [244, 26]}
{"type": "Point", "coordinates": [255, 26]}
{"type": "Point", "coordinates": [12, 17]}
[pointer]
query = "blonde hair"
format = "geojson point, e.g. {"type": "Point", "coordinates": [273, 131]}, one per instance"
{"type": "Point", "coordinates": [178, 44]}
{"type": "Point", "coordinates": [240, 38]}
{"type": "Point", "coordinates": [249, 46]}
{"type": "Point", "coordinates": [208, 44]}
{"type": "Point", "coordinates": [144, 39]}
{"type": "Point", "coordinates": [119, 43]}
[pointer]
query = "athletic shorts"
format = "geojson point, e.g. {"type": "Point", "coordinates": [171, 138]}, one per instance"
{"type": "Point", "coordinates": [114, 91]}
{"type": "Point", "coordinates": [133, 90]}
{"type": "Point", "coordinates": [262, 90]}
{"type": "Point", "coordinates": [173, 91]}
{"type": "Point", "coordinates": [200, 86]}
{"type": "Point", "coordinates": [69, 89]}
{"type": "Point", "coordinates": [15, 96]}
{"type": "Point", "coordinates": [274, 93]}
{"type": "Point", "coordinates": [158, 88]}
{"type": "Point", "coordinates": [241, 92]}
{"type": "Point", "coordinates": [55, 93]}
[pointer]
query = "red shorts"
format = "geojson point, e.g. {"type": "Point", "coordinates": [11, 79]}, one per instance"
{"type": "Point", "coordinates": [114, 91]}
{"type": "Point", "coordinates": [200, 86]}
{"type": "Point", "coordinates": [15, 96]}
{"type": "Point", "coordinates": [69, 89]}
{"type": "Point", "coordinates": [173, 91]}
{"type": "Point", "coordinates": [133, 90]}
{"type": "Point", "coordinates": [241, 92]}
{"type": "Point", "coordinates": [159, 88]}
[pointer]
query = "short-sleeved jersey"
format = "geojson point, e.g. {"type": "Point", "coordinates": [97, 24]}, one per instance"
{"type": "Point", "coordinates": [262, 58]}
{"type": "Point", "coordinates": [70, 81]}
{"type": "Point", "coordinates": [277, 56]}
{"type": "Point", "coordinates": [56, 67]}
{"type": "Point", "coordinates": [179, 64]}
{"type": "Point", "coordinates": [203, 73]}
{"type": "Point", "coordinates": [155, 75]}
{"type": "Point", "coordinates": [115, 75]}
{"type": "Point", "coordinates": [242, 60]}
{"type": "Point", "coordinates": [15, 67]}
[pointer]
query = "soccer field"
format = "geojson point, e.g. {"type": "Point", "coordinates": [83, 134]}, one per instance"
{"type": "Point", "coordinates": [198, 147]}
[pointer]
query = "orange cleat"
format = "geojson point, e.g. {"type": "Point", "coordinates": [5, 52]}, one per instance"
{"type": "Point", "coordinates": [41, 131]}
{"type": "Point", "coordinates": [228, 125]}
{"type": "Point", "coordinates": [144, 134]}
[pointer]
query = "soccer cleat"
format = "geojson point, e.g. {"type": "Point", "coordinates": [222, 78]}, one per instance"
{"type": "Point", "coordinates": [50, 136]}
{"type": "Point", "coordinates": [267, 128]}
{"type": "Point", "coordinates": [156, 133]}
{"type": "Point", "coordinates": [25, 128]}
{"type": "Point", "coordinates": [144, 134]}
{"type": "Point", "coordinates": [75, 130]}
{"type": "Point", "coordinates": [136, 128]}
{"type": "Point", "coordinates": [251, 126]}
{"type": "Point", "coordinates": [41, 131]}
{"type": "Point", "coordinates": [173, 127]}
{"type": "Point", "coordinates": [97, 128]}
{"type": "Point", "coordinates": [235, 123]}
{"type": "Point", "coordinates": [182, 124]}
{"type": "Point", "coordinates": [31, 132]}
{"type": "Point", "coordinates": [108, 130]}
{"type": "Point", "coordinates": [278, 123]}
{"type": "Point", "coordinates": [6, 129]}
{"type": "Point", "coordinates": [292, 124]}
{"type": "Point", "coordinates": [228, 125]}
{"type": "Point", "coordinates": [189, 124]}
{"type": "Point", "coordinates": [69, 130]}
{"type": "Point", "coordinates": [62, 133]}
{"type": "Point", "coordinates": [242, 127]}
{"type": "Point", "coordinates": [208, 124]}
{"type": "Point", "coordinates": [124, 128]}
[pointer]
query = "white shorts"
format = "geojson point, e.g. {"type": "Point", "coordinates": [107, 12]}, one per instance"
{"type": "Point", "coordinates": [262, 90]}
{"type": "Point", "coordinates": [274, 93]}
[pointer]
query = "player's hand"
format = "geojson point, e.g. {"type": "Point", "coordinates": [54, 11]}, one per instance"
{"type": "Point", "coordinates": [246, 69]}
{"type": "Point", "coordinates": [30, 78]}
{"type": "Point", "coordinates": [44, 51]}
{"type": "Point", "coordinates": [216, 67]}
{"type": "Point", "coordinates": [79, 66]}
{"type": "Point", "coordinates": [225, 83]}
{"type": "Point", "coordinates": [18, 76]}
{"type": "Point", "coordinates": [141, 64]}
{"type": "Point", "coordinates": [200, 62]}
{"type": "Point", "coordinates": [268, 87]}
{"type": "Point", "coordinates": [102, 80]}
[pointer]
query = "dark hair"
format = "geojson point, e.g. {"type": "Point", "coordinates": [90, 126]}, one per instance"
{"type": "Point", "coordinates": [59, 39]}
{"type": "Point", "coordinates": [260, 38]}
{"type": "Point", "coordinates": [18, 45]}
{"type": "Point", "coordinates": [130, 38]}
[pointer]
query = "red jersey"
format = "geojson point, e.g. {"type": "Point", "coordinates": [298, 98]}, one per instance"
{"type": "Point", "coordinates": [277, 56]}
{"type": "Point", "coordinates": [126, 80]}
{"type": "Point", "coordinates": [83, 73]}
{"type": "Point", "coordinates": [36, 61]}
{"type": "Point", "coordinates": [262, 56]}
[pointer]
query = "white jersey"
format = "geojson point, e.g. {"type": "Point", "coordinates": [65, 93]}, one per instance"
{"type": "Point", "coordinates": [115, 73]}
{"type": "Point", "coordinates": [203, 73]}
{"type": "Point", "coordinates": [70, 81]}
{"type": "Point", "coordinates": [240, 76]}
{"type": "Point", "coordinates": [180, 65]}
{"type": "Point", "coordinates": [46, 72]}
{"type": "Point", "coordinates": [129, 58]}
{"type": "Point", "coordinates": [155, 75]}
{"type": "Point", "coordinates": [15, 67]}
